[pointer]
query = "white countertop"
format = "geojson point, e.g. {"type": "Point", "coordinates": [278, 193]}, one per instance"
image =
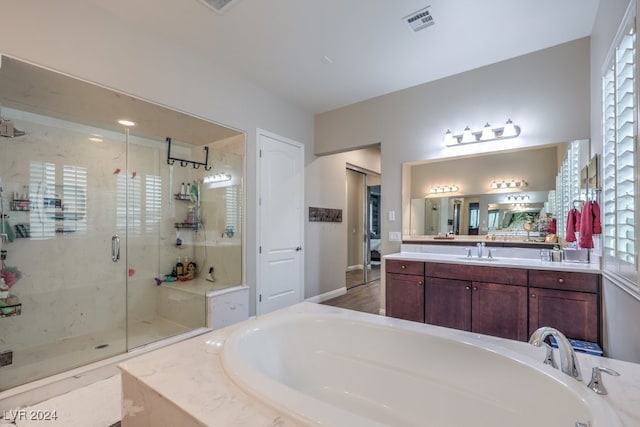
{"type": "Point", "coordinates": [498, 261]}
{"type": "Point", "coordinates": [190, 374]}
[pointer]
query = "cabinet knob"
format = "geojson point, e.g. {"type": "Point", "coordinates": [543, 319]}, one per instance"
{"type": "Point", "coordinates": [561, 280]}
{"type": "Point", "coordinates": [420, 283]}
{"type": "Point", "coordinates": [534, 296]}
{"type": "Point", "coordinates": [468, 288]}
{"type": "Point", "coordinates": [475, 288]}
{"type": "Point", "coordinates": [403, 266]}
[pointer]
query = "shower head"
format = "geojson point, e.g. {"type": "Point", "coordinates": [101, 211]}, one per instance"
{"type": "Point", "coordinates": [8, 130]}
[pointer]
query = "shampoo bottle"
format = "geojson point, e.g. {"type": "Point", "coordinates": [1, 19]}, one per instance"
{"type": "Point", "coordinates": [179, 268]}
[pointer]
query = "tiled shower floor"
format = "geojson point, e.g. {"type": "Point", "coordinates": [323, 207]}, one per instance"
{"type": "Point", "coordinates": [52, 358]}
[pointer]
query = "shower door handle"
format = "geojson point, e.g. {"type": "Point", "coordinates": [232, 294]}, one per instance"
{"type": "Point", "coordinates": [115, 248]}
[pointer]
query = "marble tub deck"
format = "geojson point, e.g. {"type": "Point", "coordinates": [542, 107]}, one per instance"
{"type": "Point", "coordinates": [185, 384]}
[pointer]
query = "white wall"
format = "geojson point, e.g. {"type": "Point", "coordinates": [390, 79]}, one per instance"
{"type": "Point", "coordinates": [80, 39]}
{"type": "Point", "coordinates": [621, 309]}
{"type": "Point", "coordinates": [545, 92]}
{"type": "Point", "coordinates": [326, 242]}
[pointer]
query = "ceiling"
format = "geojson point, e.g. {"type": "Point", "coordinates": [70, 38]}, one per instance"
{"type": "Point", "coordinates": [281, 45]}
{"type": "Point", "coordinates": [37, 90]}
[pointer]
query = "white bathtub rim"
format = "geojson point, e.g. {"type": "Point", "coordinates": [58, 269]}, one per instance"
{"type": "Point", "coordinates": [311, 411]}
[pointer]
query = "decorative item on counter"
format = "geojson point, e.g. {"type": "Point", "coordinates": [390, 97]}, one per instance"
{"type": "Point", "coordinates": [545, 255]}
{"type": "Point", "coordinates": [556, 254]}
{"type": "Point", "coordinates": [551, 238]}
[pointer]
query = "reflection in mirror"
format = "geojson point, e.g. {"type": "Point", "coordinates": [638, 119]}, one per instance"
{"type": "Point", "coordinates": [461, 215]}
{"type": "Point", "coordinates": [497, 193]}
{"type": "Point", "coordinates": [523, 194]}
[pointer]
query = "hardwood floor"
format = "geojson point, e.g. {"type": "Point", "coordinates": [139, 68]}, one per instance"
{"type": "Point", "coordinates": [365, 298]}
{"type": "Point", "coordinates": [355, 277]}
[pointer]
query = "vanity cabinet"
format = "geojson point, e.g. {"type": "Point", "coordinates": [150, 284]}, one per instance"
{"type": "Point", "coordinates": [499, 301]}
{"type": "Point", "coordinates": [567, 301]}
{"type": "Point", "coordinates": [489, 300]}
{"type": "Point", "coordinates": [405, 290]}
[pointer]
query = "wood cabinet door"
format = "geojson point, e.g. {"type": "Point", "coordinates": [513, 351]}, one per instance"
{"type": "Point", "coordinates": [499, 310]}
{"type": "Point", "coordinates": [448, 303]}
{"type": "Point", "coordinates": [405, 297]}
{"type": "Point", "coordinates": [575, 314]}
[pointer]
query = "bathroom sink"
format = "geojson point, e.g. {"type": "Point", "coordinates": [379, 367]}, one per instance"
{"type": "Point", "coordinates": [479, 259]}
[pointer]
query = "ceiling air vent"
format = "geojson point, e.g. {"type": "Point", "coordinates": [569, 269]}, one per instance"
{"type": "Point", "coordinates": [419, 20]}
{"type": "Point", "coordinates": [219, 6]}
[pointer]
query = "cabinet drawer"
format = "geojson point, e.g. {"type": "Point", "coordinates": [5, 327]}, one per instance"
{"type": "Point", "coordinates": [405, 267]}
{"type": "Point", "coordinates": [568, 281]}
{"type": "Point", "coordinates": [507, 276]}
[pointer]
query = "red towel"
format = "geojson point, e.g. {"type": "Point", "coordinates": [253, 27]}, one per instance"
{"type": "Point", "coordinates": [586, 226]}
{"type": "Point", "coordinates": [551, 228]}
{"type": "Point", "coordinates": [597, 224]}
{"type": "Point", "coordinates": [573, 223]}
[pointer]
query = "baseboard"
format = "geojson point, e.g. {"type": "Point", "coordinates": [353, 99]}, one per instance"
{"type": "Point", "coordinates": [355, 267]}
{"type": "Point", "coordinates": [328, 295]}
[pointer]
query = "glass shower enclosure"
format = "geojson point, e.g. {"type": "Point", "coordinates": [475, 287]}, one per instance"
{"type": "Point", "coordinates": [104, 225]}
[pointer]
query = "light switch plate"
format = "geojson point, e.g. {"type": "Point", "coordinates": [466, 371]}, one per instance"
{"type": "Point", "coordinates": [392, 215]}
{"type": "Point", "coordinates": [395, 236]}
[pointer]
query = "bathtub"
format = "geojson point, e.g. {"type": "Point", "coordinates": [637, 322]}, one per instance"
{"type": "Point", "coordinates": [335, 368]}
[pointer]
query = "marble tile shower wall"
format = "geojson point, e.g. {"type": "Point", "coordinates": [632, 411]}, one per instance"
{"type": "Point", "coordinates": [69, 285]}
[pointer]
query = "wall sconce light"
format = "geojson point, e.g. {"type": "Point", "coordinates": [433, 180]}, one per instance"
{"type": "Point", "coordinates": [444, 189]}
{"type": "Point", "coordinates": [508, 184]}
{"type": "Point", "coordinates": [219, 177]}
{"type": "Point", "coordinates": [468, 136]}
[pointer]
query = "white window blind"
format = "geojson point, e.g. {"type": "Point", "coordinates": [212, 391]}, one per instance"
{"type": "Point", "coordinates": [619, 132]}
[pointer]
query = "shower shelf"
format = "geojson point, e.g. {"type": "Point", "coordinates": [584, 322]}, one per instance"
{"type": "Point", "coordinates": [185, 197]}
{"type": "Point", "coordinates": [11, 310]}
{"type": "Point", "coordinates": [189, 225]}
{"type": "Point", "coordinates": [20, 205]}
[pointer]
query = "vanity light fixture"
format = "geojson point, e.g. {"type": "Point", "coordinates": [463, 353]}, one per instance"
{"type": "Point", "coordinates": [468, 136]}
{"type": "Point", "coordinates": [508, 184]}
{"type": "Point", "coordinates": [518, 197]}
{"type": "Point", "coordinates": [444, 189]}
{"type": "Point", "coordinates": [219, 177]}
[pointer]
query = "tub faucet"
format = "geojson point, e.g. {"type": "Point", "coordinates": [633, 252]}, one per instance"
{"type": "Point", "coordinates": [568, 360]}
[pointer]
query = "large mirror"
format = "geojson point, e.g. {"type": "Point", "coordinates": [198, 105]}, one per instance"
{"type": "Point", "coordinates": [506, 195]}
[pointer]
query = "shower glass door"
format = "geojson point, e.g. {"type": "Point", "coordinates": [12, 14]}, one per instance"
{"type": "Point", "coordinates": [94, 219]}
{"type": "Point", "coordinates": [66, 304]}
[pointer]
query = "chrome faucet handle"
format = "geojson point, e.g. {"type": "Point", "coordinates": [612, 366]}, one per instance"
{"type": "Point", "coordinates": [596, 383]}
{"type": "Point", "coordinates": [548, 358]}
{"type": "Point", "coordinates": [468, 252]}
{"type": "Point", "coordinates": [489, 253]}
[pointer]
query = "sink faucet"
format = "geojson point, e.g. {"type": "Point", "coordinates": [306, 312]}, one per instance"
{"type": "Point", "coordinates": [568, 360]}
{"type": "Point", "coordinates": [480, 249]}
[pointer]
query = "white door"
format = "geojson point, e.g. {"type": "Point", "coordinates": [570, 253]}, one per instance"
{"type": "Point", "coordinates": [280, 222]}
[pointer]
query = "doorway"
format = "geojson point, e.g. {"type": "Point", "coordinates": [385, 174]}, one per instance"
{"type": "Point", "coordinates": [363, 226]}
